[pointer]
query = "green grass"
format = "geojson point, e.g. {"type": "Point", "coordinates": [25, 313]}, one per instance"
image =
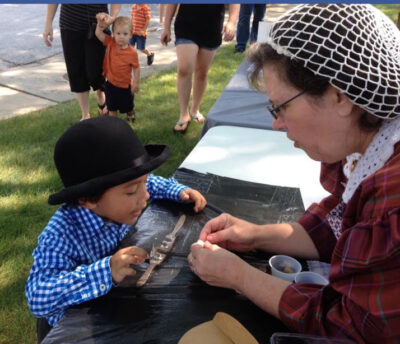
{"type": "Point", "coordinates": [391, 10]}
{"type": "Point", "coordinates": [28, 176]}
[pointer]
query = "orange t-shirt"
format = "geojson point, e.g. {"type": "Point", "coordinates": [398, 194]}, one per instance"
{"type": "Point", "coordinates": [139, 19]}
{"type": "Point", "coordinates": [118, 63]}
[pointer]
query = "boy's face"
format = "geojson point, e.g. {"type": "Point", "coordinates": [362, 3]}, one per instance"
{"type": "Point", "coordinates": [122, 34]}
{"type": "Point", "coordinates": [122, 203]}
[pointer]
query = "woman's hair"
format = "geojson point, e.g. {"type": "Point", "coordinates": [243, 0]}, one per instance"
{"type": "Point", "coordinates": [122, 21]}
{"type": "Point", "coordinates": [301, 78]}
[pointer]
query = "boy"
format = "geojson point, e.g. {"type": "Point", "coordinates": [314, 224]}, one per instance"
{"type": "Point", "coordinates": [119, 61]}
{"type": "Point", "coordinates": [104, 168]}
{"type": "Point", "coordinates": [140, 21]}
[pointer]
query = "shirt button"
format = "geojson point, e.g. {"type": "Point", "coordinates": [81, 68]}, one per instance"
{"type": "Point", "coordinates": [102, 287]}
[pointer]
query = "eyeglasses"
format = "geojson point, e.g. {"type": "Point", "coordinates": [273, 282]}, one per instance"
{"type": "Point", "coordinates": [274, 110]}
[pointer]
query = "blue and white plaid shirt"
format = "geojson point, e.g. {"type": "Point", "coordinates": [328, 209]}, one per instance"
{"type": "Point", "coordinates": [71, 261]}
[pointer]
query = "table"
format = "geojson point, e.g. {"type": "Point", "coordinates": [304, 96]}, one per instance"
{"type": "Point", "coordinates": [175, 300]}
{"type": "Point", "coordinates": [259, 156]}
{"type": "Point", "coordinates": [239, 105]}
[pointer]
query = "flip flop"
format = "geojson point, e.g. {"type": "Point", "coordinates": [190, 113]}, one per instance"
{"type": "Point", "coordinates": [101, 109]}
{"type": "Point", "coordinates": [183, 125]}
{"type": "Point", "coordinates": [198, 117]}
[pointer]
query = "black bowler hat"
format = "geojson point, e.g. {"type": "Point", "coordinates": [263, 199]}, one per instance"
{"type": "Point", "coordinates": [99, 153]}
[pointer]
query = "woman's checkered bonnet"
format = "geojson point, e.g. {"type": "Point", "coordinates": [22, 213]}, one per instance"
{"type": "Point", "coordinates": [355, 46]}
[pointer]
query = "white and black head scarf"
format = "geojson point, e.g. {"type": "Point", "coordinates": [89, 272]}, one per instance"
{"type": "Point", "coordinates": [355, 46]}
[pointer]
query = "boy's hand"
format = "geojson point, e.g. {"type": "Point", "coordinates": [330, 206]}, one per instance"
{"type": "Point", "coordinates": [121, 261]}
{"type": "Point", "coordinates": [134, 88]}
{"type": "Point", "coordinates": [191, 195]}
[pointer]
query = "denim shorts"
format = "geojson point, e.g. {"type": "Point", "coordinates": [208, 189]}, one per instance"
{"type": "Point", "coordinates": [140, 42]}
{"type": "Point", "coordinates": [189, 41]}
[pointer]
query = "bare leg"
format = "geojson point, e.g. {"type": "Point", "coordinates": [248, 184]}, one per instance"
{"type": "Point", "coordinates": [113, 113]}
{"type": "Point", "coordinates": [101, 99]}
{"type": "Point", "coordinates": [186, 54]}
{"type": "Point", "coordinates": [162, 13]}
{"type": "Point", "coordinates": [83, 101]}
{"type": "Point", "coordinates": [203, 64]}
{"type": "Point", "coordinates": [146, 52]}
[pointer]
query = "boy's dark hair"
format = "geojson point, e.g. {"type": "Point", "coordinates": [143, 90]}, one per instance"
{"type": "Point", "coordinates": [93, 199]}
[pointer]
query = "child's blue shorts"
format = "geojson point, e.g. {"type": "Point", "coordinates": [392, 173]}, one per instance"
{"type": "Point", "coordinates": [118, 98]}
{"type": "Point", "coordinates": [140, 42]}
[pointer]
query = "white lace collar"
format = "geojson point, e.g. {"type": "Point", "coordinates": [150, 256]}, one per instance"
{"type": "Point", "coordinates": [377, 153]}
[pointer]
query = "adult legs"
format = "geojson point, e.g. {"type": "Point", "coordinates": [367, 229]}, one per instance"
{"type": "Point", "coordinates": [258, 15]}
{"type": "Point", "coordinates": [243, 27]}
{"type": "Point", "coordinates": [83, 101]}
{"type": "Point", "coordinates": [203, 63]}
{"type": "Point", "coordinates": [94, 56]}
{"type": "Point", "coordinates": [186, 54]}
{"type": "Point", "coordinates": [74, 54]}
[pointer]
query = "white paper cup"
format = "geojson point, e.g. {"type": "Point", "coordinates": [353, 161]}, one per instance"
{"type": "Point", "coordinates": [284, 267]}
{"type": "Point", "coordinates": [310, 277]}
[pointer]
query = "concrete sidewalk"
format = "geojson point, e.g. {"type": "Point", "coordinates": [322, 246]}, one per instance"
{"type": "Point", "coordinates": [33, 76]}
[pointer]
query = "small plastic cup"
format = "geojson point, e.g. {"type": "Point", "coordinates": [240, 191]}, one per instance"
{"type": "Point", "coordinates": [310, 277]}
{"type": "Point", "coordinates": [284, 267]}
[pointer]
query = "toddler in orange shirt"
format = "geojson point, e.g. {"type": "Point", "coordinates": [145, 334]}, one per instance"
{"type": "Point", "coordinates": [119, 62]}
{"type": "Point", "coordinates": [141, 15]}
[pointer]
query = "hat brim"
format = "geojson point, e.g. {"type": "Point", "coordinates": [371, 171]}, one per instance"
{"type": "Point", "coordinates": [156, 155]}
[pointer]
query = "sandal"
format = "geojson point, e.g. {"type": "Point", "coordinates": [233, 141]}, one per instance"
{"type": "Point", "coordinates": [130, 116]}
{"type": "Point", "coordinates": [102, 112]}
{"type": "Point", "coordinates": [182, 125]}
{"type": "Point", "coordinates": [198, 117]}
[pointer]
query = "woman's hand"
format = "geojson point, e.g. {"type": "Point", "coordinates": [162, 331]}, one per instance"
{"type": "Point", "coordinates": [229, 232]}
{"type": "Point", "coordinates": [104, 20]}
{"type": "Point", "coordinates": [228, 31]}
{"type": "Point", "coordinates": [48, 35]}
{"type": "Point", "coordinates": [165, 37]}
{"type": "Point", "coordinates": [216, 266]}
{"type": "Point", "coordinates": [121, 261]}
{"type": "Point", "coordinates": [191, 195]}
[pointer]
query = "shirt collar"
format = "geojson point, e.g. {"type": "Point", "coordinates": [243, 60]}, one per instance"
{"type": "Point", "coordinates": [91, 222]}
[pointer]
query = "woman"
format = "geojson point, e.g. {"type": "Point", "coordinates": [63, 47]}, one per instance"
{"type": "Point", "coordinates": [83, 52]}
{"type": "Point", "coordinates": [198, 30]}
{"type": "Point", "coordinates": [334, 70]}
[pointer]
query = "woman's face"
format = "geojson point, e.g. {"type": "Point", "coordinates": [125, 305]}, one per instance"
{"type": "Point", "coordinates": [315, 125]}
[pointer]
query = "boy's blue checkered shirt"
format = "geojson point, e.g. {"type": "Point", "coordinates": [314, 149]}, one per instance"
{"type": "Point", "coordinates": [71, 262]}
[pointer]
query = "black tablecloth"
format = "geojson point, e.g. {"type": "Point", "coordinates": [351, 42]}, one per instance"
{"type": "Point", "coordinates": [239, 105]}
{"type": "Point", "coordinates": [174, 299]}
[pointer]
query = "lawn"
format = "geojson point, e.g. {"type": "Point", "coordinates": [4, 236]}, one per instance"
{"type": "Point", "coordinates": [28, 175]}
{"type": "Point", "coordinates": [392, 10]}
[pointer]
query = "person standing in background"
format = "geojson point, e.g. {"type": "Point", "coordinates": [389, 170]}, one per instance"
{"type": "Point", "coordinates": [141, 15]}
{"type": "Point", "coordinates": [198, 34]}
{"type": "Point", "coordinates": [243, 32]}
{"type": "Point", "coordinates": [83, 52]}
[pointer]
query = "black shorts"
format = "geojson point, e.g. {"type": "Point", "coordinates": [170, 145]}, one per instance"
{"type": "Point", "coordinates": [119, 98]}
{"type": "Point", "coordinates": [84, 60]}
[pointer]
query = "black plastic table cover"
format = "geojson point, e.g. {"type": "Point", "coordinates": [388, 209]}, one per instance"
{"type": "Point", "coordinates": [239, 105]}
{"type": "Point", "coordinates": [174, 299]}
